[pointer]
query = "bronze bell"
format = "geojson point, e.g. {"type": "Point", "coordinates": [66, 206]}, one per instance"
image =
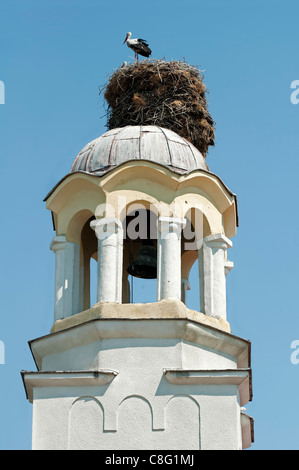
{"type": "Point", "coordinates": [145, 265]}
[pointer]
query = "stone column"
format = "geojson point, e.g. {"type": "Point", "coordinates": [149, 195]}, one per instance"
{"type": "Point", "coordinates": [67, 277]}
{"type": "Point", "coordinates": [212, 264]}
{"type": "Point", "coordinates": [109, 232]}
{"type": "Point", "coordinates": [169, 257]}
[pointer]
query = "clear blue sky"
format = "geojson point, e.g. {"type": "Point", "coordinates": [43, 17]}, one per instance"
{"type": "Point", "coordinates": [54, 55]}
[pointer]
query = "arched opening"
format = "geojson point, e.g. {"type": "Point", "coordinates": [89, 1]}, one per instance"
{"type": "Point", "coordinates": [88, 265]}
{"type": "Point", "coordinates": [140, 256]}
{"type": "Point", "coordinates": [139, 269]}
{"type": "Point", "coordinates": [80, 232]}
{"type": "Point", "coordinates": [82, 247]}
{"type": "Point", "coordinates": [193, 295]}
{"type": "Point", "coordinates": [197, 227]}
{"type": "Point", "coordinates": [189, 257]}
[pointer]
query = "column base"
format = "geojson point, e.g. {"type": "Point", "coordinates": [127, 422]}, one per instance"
{"type": "Point", "coordinates": [162, 309]}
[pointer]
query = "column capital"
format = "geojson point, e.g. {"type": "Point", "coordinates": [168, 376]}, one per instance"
{"type": "Point", "coordinates": [215, 241]}
{"type": "Point", "coordinates": [106, 226]}
{"type": "Point", "coordinates": [170, 224]}
{"type": "Point", "coordinates": [58, 243]}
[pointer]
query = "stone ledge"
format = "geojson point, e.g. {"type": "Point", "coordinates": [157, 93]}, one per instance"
{"type": "Point", "coordinates": [39, 379]}
{"type": "Point", "coordinates": [164, 309]}
{"type": "Point", "coordinates": [240, 377]}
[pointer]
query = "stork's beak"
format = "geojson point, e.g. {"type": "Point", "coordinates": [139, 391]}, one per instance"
{"type": "Point", "coordinates": [125, 39]}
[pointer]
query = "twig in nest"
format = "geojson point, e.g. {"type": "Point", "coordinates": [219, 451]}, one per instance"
{"type": "Point", "coordinates": [166, 94]}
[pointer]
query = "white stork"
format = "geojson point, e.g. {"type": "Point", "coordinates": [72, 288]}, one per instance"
{"type": "Point", "coordinates": [139, 46]}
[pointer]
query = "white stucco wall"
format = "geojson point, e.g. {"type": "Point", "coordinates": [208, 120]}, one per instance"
{"type": "Point", "coordinates": [132, 402]}
{"type": "Point", "coordinates": [207, 418]}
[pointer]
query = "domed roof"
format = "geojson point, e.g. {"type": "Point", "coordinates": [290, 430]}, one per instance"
{"type": "Point", "coordinates": [151, 143]}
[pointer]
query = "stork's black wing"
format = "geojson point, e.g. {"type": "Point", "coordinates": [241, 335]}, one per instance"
{"type": "Point", "coordinates": [143, 41]}
{"type": "Point", "coordinates": [141, 48]}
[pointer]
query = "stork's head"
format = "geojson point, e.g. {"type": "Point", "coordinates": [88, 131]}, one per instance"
{"type": "Point", "coordinates": [127, 37]}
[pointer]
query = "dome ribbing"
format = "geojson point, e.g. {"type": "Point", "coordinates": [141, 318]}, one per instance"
{"type": "Point", "coordinates": [150, 143]}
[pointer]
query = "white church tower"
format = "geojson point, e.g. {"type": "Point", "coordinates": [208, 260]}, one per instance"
{"type": "Point", "coordinates": [140, 201]}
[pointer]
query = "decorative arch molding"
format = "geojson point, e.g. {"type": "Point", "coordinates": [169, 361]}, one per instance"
{"type": "Point", "coordinates": [86, 424]}
{"type": "Point", "coordinates": [183, 395]}
{"type": "Point", "coordinates": [134, 419]}
{"type": "Point", "coordinates": [182, 422]}
{"type": "Point", "coordinates": [80, 191]}
{"type": "Point", "coordinates": [76, 224]}
{"type": "Point", "coordinates": [138, 398]}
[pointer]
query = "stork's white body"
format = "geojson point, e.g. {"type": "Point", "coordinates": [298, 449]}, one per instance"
{"type": "Point", "coordinates": [132, 42]}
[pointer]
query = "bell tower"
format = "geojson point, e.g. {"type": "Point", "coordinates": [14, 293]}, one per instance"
{"type": "Point", "coordinates": [141, 201]}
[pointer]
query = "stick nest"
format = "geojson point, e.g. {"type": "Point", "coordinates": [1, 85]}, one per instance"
{"type": "Point", "coordinates": [161, 93]}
